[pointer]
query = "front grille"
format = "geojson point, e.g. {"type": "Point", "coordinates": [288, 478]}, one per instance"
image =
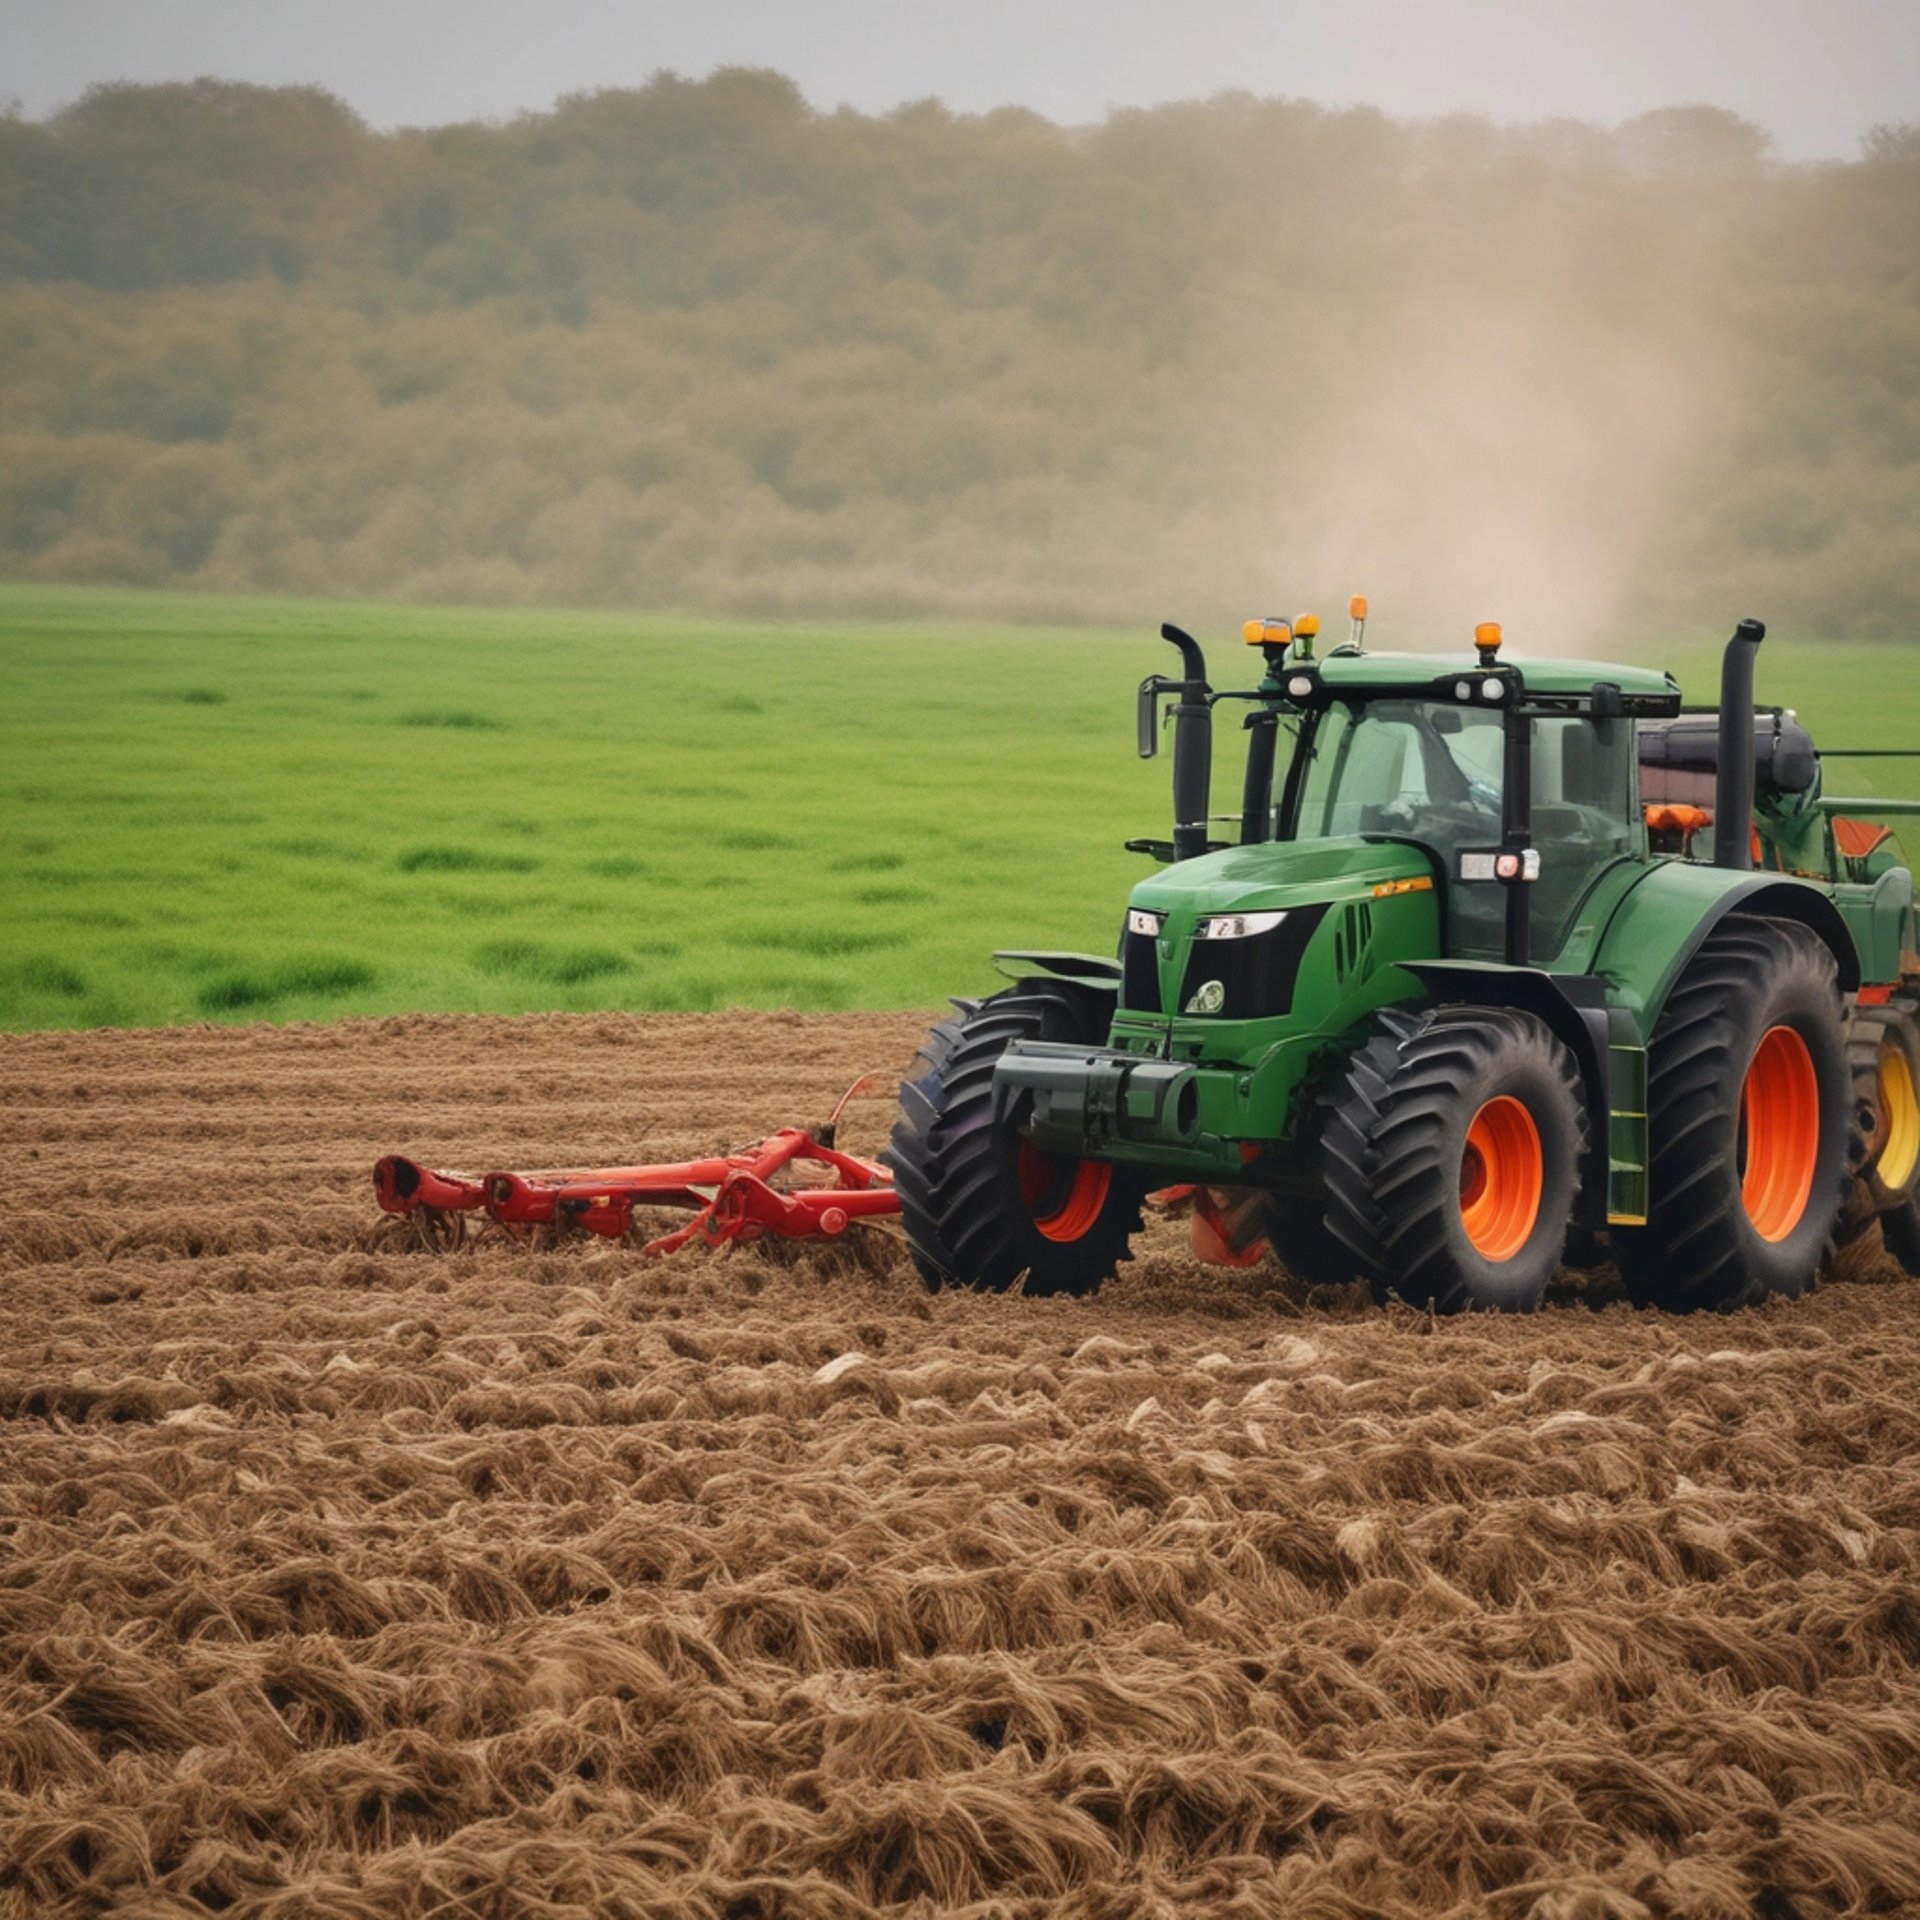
{"type": "Point", "coordinates": [1257, 973]}
{"type": "Point", "coordinates": [1139, 973]}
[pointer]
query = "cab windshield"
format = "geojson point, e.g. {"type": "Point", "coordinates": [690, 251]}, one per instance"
{"type": "Point", "coordinates": [1414, 768]}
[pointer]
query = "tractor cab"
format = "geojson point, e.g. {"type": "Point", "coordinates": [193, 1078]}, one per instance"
{"type": "Point", "coordinates": [1380, 761]}
{"type": "Point", "coordinates": [1518, 786]}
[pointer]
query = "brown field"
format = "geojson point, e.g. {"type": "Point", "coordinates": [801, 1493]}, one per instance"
{"type": "Point", "coordinates": [337, 1579]}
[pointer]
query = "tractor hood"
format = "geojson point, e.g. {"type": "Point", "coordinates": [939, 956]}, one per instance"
{"type": "Point", "coordinates": [1279, 873]}
{"type": "Point", "coordinates": [1274, 932]}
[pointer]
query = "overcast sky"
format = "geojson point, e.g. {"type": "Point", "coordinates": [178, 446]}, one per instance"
{"type": "Point", "coordinates": [1815, 73]}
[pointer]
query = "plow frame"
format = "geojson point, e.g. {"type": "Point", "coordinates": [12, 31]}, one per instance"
{"type": "Point", "coordinates": [732, 1196]}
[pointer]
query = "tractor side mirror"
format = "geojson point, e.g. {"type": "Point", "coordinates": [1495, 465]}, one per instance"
{"type": "Point", "coordinates": [1151, 688]}
{"type": "Point", "coordinates": [1149, 716]}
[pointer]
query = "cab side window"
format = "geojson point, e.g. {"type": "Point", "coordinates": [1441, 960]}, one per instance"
{"type": "Point", "coordinates": [1584, 818]}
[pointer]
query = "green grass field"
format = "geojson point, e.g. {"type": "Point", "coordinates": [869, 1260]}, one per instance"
{"type": "Point", "coordinates": [228, 809]}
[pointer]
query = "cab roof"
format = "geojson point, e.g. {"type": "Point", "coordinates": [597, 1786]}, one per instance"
{"type": "Point", "coordinates": [1340, 672]}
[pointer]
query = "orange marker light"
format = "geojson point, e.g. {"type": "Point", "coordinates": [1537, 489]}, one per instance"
{"type": "Point", "coordinates": [1357, 612]}
{"type": "Point", "coordinates": [1486, 636]}
{"type": "Point", "coordinates": [1266, 633]}
{"type": "Point", "coordinates": [1308, 626]}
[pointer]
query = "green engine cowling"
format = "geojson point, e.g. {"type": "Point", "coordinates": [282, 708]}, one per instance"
{"type": "Point", "coordinates": [1238, 970]}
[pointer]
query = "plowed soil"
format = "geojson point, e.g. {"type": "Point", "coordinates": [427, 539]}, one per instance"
{"type": "Point", "coordinates": [337, 1578]}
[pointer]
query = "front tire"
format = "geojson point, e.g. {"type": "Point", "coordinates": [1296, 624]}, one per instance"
{"type": "Point", "coordinates": [1748, 1115]}
{"type": "Point", "coordinates": [1453, 1157]}
{"type": "Point", "coordinates": [981, 1205]}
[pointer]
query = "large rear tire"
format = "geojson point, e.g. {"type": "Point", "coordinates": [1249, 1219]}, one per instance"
{"type": "Point", "coordinates": [1453, 1151]}
{"type": "Point", "coordinates": [981, 1206]}
{"type": "Point", "coordinates": [1749, 1104]}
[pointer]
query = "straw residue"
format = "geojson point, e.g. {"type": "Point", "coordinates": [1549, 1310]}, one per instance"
{"type": "Point", "coordinates": [336, 1578]}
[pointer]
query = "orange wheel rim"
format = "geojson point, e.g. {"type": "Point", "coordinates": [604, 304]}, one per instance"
{"type": "Point", "coordinates": [1780, 1115]}
{"type": "Point", "coordinates": [1063, 1196]}
{"type": "Point", "coordinates": [1502, 1177]}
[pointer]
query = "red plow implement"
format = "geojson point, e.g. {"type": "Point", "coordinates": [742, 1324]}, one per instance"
{"type": "Point", "coordinates": [733, 1197]}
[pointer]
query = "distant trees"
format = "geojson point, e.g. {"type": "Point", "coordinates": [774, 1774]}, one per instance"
{"type": "Point", "coordinates": [696, 344]}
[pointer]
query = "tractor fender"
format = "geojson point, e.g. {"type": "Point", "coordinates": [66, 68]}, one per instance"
{"type": "Point", "coordinates": [1664, 921]}
{"type": "Point", "coordinates": [1077, 969]}
{"type": "Point", "coordinates": [1890, 925]}
{"type": "Point", "coordinates": [1573, 1009]}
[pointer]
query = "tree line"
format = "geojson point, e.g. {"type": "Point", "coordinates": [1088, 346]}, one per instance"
{"type": "Point", "coordinates": [697, 344]}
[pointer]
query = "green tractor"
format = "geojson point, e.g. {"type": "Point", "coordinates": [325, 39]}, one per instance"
{"type": "Point", "coordinates": [1509, 966]}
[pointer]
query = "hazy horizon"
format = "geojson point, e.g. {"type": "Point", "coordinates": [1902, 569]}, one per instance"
{"type": "Point", "coordinates": [1815, 78]}
{"type": "Point", "coordinates": [694, 345]}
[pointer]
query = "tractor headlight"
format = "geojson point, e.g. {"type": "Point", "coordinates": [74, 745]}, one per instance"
{"type": "Point", "coordinates": [1139, 920]}
{"type": "Point", "coordinates": [1237, 926]}
{"type": "Point", "coordinates": [1245, 966]}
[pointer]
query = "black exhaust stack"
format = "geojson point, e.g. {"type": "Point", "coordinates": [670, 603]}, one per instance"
{"type": "Point", "coordinates": [1192, 748]}
{"type": "Point", "coordinates": [1733, 779]}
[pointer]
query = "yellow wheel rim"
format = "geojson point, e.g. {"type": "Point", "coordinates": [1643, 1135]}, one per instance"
{"type": "Point", "coordinates": [1900, 1107]}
